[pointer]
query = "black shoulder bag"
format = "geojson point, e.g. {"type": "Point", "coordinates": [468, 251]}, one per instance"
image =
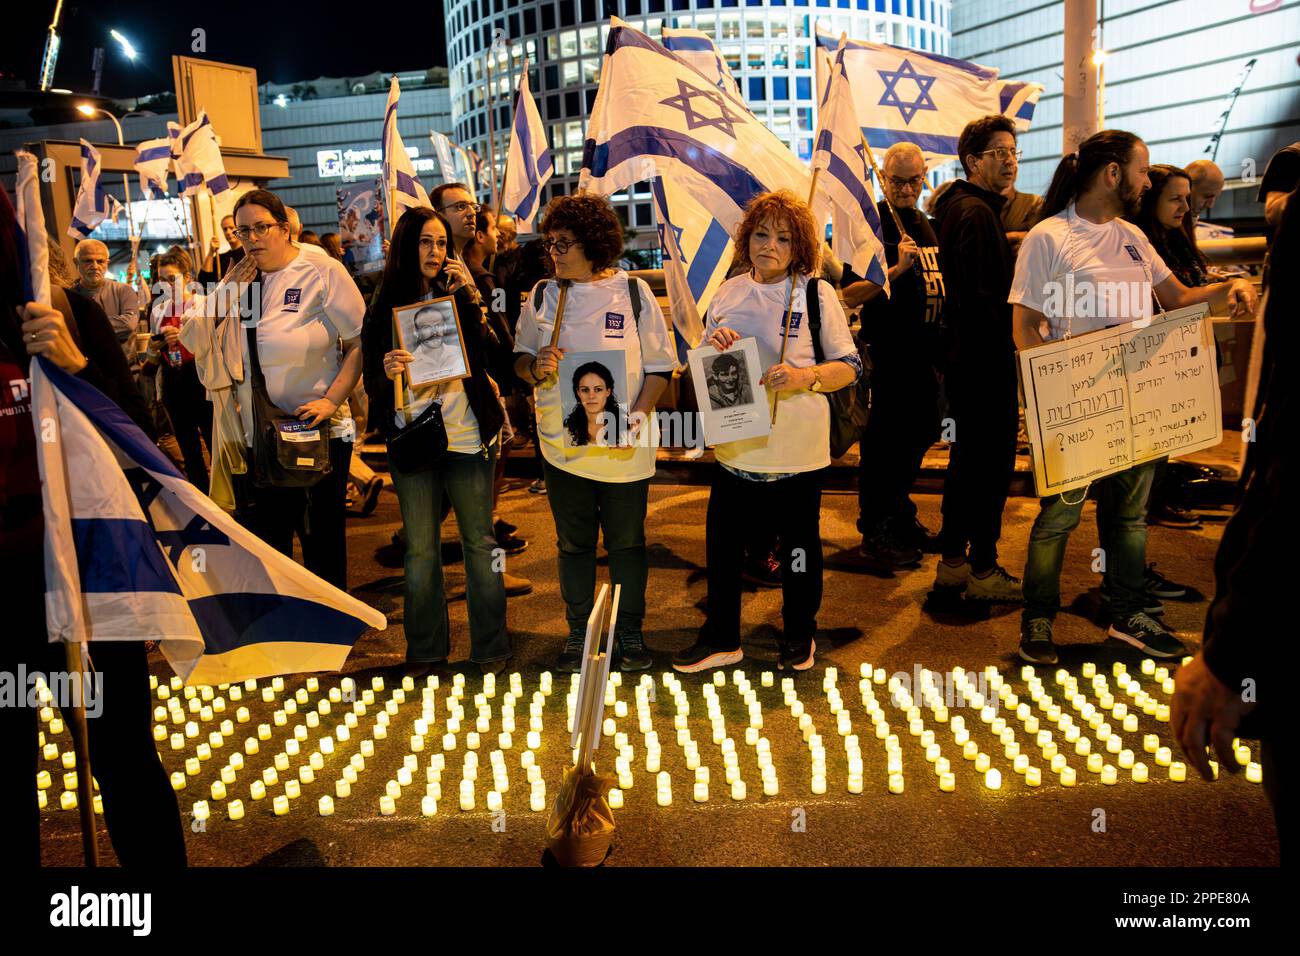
{"type": "Point", "coordinates": [287, 452]}
{"type": "Point", "coordinates": [422, 443]}
{"type": "Point", "coordinates": [851, 405]}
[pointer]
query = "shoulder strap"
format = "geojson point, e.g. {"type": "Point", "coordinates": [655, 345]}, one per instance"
{"type": "Point", "coordinates": [814, 305]}
{"type": "Point", "coordinates": [256, 378]}
{"type": "Point", "coordinates": [539, 289]}
{"type": "Point", "coordinates": [634, 293]}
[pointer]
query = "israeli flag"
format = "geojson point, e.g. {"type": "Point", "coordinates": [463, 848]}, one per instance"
{"type": "Point", "coordinates": [657, 115]}
{"type": "Point", "coordinates": [446, 154]}
{"type": "Point", "coordinates": [152, 162]}
{"type": "Point", "coordinates": [31, 242]}
{"type": "Point", "coordinates": [697, 252]}
{"type": "Point", "coordinates": [197, 157]}
{"type": "Point", "coordinates": [134, 552]}
{"type": "Point", "coordinates": [840, 155]}
{"type": "Point", "coordinates": [904, 96]}
{"type": "Point", "coordinates": [93, 205]}
{"type": "Point", "coordinates": [402, 187]}
{"type": "Point", "coordinates": [528, 163]}
{"type": "Point", "coordinates": [697, 49]}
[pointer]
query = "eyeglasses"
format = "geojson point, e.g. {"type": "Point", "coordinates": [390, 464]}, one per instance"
{"type": "Point", "coordinates": [256, 231]}
{"type": "Point", "coordinates": [461, 207]}
{"type": "Point", "coordinates": [1002, 154]}
{"type": "Point", "coordinates": [916, 182]}
{"type": "Point", "coordinates": [558, 246]}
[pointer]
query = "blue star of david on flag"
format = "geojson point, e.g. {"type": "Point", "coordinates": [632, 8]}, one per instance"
{"type": "Point", "coordinates": [696, 120]}
{"type": "Point", "coordinates": [923, 100]}
{"type": "Point", "coordinates": [677, 239]}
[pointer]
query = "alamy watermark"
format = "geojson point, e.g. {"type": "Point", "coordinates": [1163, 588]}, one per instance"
{"type": "Point", "coordinates": [61, 689]}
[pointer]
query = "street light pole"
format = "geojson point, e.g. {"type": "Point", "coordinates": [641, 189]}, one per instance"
{"type": "Point", "coordinates": [87, 110]}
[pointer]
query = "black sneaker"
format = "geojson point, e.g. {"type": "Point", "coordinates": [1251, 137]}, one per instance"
{"type": "Point", "coordinates": [701, 657]}
{"type": "Point", "coordinates": [510, 543]}
{"type": "Point", "coordinates": [570, 660]}
{"type": "Point", "coordinates": [1174, 516]}
{"type": "Point", "coordinates": [1160, 586]}
{"type": "Point", "coordinates": [632, 655]}
{"type": "Point", "coordinates": [764, 572]}
{"type": "Point", "coordinates": [1147, 634]}
{"type": "Point", "coordinates": [884, 550]}
{"type": "Point", "coordinates": [1151, 606]}
{"type": "Point", "coordinates": [1036, 645]}
{"type": "Point", "coordinates": [502, 526]}
{"type": "Point", "coordinates": [370, 497]}
{"type": "Point", "coordinates": [796, 657]}
{"type": "Point", "coordinates": [916, 535]}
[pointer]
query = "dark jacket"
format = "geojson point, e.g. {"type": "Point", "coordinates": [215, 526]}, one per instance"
{"type": "Point", "coordinates": [377, 341]}
{"type": "Point", "coordinates": [978, 266]}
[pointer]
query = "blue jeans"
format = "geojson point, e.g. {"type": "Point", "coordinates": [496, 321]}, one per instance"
{"type": "Point", "coordinates": [1122, 533]}
{"type": "Point", "coordinates": [467, 480]}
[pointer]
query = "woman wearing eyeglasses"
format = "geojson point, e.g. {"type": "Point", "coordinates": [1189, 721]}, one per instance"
{"type": "Point", "coordinates": [309, 305]}
{"type": "Point", "coordinates": [417, 269]}
{"type": "Point", "coordinates": [593, 488]}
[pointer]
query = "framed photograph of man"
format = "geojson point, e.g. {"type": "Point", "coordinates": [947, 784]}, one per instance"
{"type": "Point", "coordinates": [430, 330]}
{"type": "Point", "coordinates": [594, 398]}
{"type": "Point", "coordinates": [733, 405]}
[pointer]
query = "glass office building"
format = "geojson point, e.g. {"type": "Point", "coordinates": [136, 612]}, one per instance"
{"type": "Point", "coordinates": [1171, 69]}
{"type": "Point", "coordinates": [768, 44]}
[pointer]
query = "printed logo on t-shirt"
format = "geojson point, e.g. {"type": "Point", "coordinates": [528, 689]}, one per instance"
{"type": "Point", "coordinates": [796, 319]}
{"type": "Point", "coordinates": [292, 299]}
{"type": "Point", "coordinates": [1132, 252]}
{"type": "Point", "coordinates": [613, 325]}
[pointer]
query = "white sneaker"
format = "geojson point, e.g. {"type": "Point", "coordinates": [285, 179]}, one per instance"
{"type": "Point", "coordinates": [952, 576]}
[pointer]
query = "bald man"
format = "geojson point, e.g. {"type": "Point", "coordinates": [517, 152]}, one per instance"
{"type": "Point", "coordinates": [1207, 183]}
{"type": "Point", "coordinates": [118, 300]}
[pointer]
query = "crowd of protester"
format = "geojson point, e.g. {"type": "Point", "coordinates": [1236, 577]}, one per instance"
{"type": "Point", "coordinates": [969, 288]}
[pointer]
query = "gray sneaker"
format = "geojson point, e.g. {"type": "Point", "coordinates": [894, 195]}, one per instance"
{"type": "Point", "coordinates": [997, 586]}
{"type": "Point", "coordinates": [1036, 644]}
{"type": "Point", "coordinates": [951, 576]}
{"type": "Point", "coordinates": [1147, 634]}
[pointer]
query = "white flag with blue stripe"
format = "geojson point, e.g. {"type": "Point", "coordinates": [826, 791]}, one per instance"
{"type": "Point", "coordinates": [528, 163]}
{"type": "Point", "coordinates": [402, 186]}
{"type": "Point", "coordinates": [446, 155]}
{"type": "Point", "coordinates": [134, 552]}
{"type": "Point", "coordinates": [93, 204]}
{"type": "Point", "coordinates": [697, 49]}
{"type": "Point", "coordinates": [839, 153]}
{"type": "Point", "coordinates": [153, 159]}
{"type": "Point", "coordinates": [904, 96]}
{"type": "Point", "coordinates": [656, 115]}
{"type": "Point", "coordinates": [197, 156]}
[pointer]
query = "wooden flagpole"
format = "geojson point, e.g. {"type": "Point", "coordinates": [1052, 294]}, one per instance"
{"type": "Point", "coordinates": [875, 170]}
{"type": "Point", "coordinates": [78, 661]}
{"type": "Point", "coordinates": [785, 332]}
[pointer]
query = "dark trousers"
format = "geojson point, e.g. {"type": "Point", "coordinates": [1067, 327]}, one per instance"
{"type": "Point", "coordinates": [983, 403]}
{"type": "Point", "coordinates": [188, 407]}
{"type": "Point", "coordinates": [316, 514]}
{"type": "Point", "coordinates": [140, 809]}
{"type": "Point", "coordinates": [582, 508]}
{"type": "Point", "coordinates": [904, 422]}
{"type": "Point", "coordinates": [742, 513]}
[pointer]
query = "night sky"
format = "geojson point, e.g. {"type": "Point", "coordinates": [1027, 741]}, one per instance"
{"type": "Point", "coordinates": [285, 42]}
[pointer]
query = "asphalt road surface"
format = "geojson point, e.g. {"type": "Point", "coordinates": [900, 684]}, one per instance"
{"type": "Point", "coordinates": [887, 621]}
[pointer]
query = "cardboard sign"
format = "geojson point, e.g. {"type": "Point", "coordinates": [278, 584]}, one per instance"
{"type": "Point", "coordinates": [1103, 402]}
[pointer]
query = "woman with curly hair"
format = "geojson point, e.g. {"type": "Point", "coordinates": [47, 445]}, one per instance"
{"type": "Point", "coordinates": [596, 416]}
{"type": "Point", "coordinates": [594, 488]}
{"type": "Point", "coordinates": [771, 486]}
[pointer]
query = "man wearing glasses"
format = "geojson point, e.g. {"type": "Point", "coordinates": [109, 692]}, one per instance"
{"type": "Point", "coordinates": [454, 201]}
{"type": "Point", "coordinates": [980, 373]}
{"type": "Point", "coordinates": [900, 333]}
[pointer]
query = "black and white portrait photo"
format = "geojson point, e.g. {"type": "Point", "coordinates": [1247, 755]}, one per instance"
{"type": "Point", "coordinates": [733, 405]}
{"type": "Point", "coordinates": [431, 332]}
{"type": "Point", "coordinates": [727, 379]}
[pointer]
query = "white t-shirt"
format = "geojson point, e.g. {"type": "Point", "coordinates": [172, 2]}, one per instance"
{"type": "Point", "coordinates": [457, 416]}
{"type": "Point", "coordinates": [306, 308]}
{"type": "Point", "coordinates": [598, 316]}
{"type": "Point", "coordinates": [1084, 276]}
{"type": "Point", "coordinates": [800, 439]}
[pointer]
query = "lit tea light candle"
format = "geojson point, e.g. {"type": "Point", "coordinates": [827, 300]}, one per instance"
{"type": "Point", "coordinates": [982, 762]}
{"type": "Point", "coordinates": [235, 809]}
{"type": "Point", "coordinates": [1126, 759]}
{"type": "Point", "coordinates": [1109, 775]}
{"type": "Point", "coordinates": [281, 762]}
{"type": "Point", "coordinates": [1095, 762]}
{"type": "Point", "coordinates": [993, 779]}
{"type": "Point", "coordinates": [292, 789]}
{"type": "Point", "coordinates": [1114, 744]}
{"type": "Point", "coordinates": [1021, 763]}
{"type": "Point", "coordinates": [280, 804]}
{"type": "Point", "coordinates": [1254, 772]}
{"type": "Point", "coordinates": [1067, 776]}
{"type": "Point", "coordinates": [192, 767]}
{"type": "Point", "coordinates": [1177, 772]}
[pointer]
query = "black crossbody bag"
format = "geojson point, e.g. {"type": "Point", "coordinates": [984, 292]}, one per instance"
{"type": "Point", "coordinates": [420, 445]}
{"type": "Point", "coordinates": [851, 405]}
{"type": "Point", "coordinates": [287, 452]}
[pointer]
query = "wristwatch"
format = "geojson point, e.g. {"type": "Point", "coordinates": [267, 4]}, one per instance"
{"type": "Point", "coordinates": [816, 386]}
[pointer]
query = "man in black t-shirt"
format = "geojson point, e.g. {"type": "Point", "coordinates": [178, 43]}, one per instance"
{"type": "Point", "coordinates": [1280, 180]}
{"type": "Point", "coordinates": [900, 335]}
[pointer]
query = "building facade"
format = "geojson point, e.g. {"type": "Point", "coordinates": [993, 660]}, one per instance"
{"type": "Point", "coordinates": [1170, 68]}
{"type": "Point", "coordinates": [768, 45]}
